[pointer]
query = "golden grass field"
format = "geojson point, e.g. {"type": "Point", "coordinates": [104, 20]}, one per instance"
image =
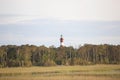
{"type": "Point", "coordinates": [89, 72]}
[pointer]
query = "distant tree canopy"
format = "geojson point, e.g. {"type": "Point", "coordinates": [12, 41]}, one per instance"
{"type": "Point", "coordinates": [30, 55]}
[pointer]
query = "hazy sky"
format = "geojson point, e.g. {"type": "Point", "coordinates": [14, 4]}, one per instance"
{"type": "Point", "coordinates": [41, 22]}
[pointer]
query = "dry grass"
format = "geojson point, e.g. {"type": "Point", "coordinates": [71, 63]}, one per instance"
{"type": "Point", "coordinates": [92, 72]}
{"type": "Point", "coordinates": [60, 78]}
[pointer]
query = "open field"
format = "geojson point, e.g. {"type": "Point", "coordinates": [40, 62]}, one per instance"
{"type": "Point", "coordinates": [92, 72]}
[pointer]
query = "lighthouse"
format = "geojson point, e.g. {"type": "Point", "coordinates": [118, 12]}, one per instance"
{"type": "Point", "coordinates": [61, 41]}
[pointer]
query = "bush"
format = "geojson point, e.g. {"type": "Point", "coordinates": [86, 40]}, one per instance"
{"type": "Point", "coordinates": [13, 63]}
{"type": "Point", "coordinates": [49, 63]}
{"type": "Point", "coordinates": [27, 63]}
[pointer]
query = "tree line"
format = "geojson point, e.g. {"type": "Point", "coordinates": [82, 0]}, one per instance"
{"type": "Point", "coordinates": [31, 55]}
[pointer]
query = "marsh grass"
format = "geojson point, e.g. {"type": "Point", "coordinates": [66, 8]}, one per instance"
{"type": "Point", "coordinates": [92, 72]}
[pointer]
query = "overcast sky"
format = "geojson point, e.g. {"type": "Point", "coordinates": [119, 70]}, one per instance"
{"type": "Point", "coordinates": [41, 22]}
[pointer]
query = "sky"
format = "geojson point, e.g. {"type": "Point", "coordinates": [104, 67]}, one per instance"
{"type": "Point", "coordinates": [41, 22]}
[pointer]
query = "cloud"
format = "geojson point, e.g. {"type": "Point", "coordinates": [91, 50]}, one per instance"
{"type": "Point", "coordinates": [76, 41]}
{"type": "Point", "coordinates": [86, 10]}
{"type": "Point", "coordinates": [17, 19]}
{"type": "Point", "coordinates": [19, 39]}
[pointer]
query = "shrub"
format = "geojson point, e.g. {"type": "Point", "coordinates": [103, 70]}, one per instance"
{"type": "Point", "coordinates": [49, 63]}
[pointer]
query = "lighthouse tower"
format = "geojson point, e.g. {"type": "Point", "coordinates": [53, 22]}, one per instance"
{"type": "Point", "coordinates": [61, 41]}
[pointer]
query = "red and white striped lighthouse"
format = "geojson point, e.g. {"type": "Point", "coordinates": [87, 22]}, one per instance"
{"type": "Point", "coordinates": [61, 41]}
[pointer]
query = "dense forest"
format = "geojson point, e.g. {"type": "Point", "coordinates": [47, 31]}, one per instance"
{"type": "Point", "coordinates": [31, 55]}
